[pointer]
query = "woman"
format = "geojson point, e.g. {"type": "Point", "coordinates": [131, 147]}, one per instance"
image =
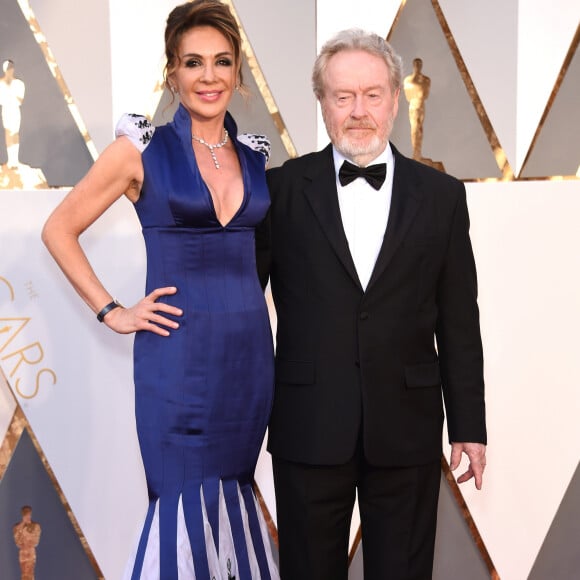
{"type": "Point", "coordinates": [203, 349]}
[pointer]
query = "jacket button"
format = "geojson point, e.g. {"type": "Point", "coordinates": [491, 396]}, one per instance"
{"type": "Point", "coordinates": [364, 315]}
{"type": "Point", "coordinates": [357, 364]}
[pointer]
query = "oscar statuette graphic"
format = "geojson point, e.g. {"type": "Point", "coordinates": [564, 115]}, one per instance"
{"type": "Point", "coordinates": [26, 537]}
{"type": "Point", "coordinates": [416, 87]}
{"type": "Point", "coordinates": [15, 175]}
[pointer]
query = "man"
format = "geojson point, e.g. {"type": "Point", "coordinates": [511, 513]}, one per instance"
{"type": "Point", "coordinates": [364, 281]}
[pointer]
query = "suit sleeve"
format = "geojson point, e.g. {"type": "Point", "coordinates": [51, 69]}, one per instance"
{"type": "Point", "coordinates": [263, 251]}
{"type": "Point", "coordinates": [263, 237]}
{"type": "Point", "coordinates": [458, 334]}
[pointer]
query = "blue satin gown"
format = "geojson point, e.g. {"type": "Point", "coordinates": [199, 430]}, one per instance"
{"type": "Point", "coordinates": [202, 395]}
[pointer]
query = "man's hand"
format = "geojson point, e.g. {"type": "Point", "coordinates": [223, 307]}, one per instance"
{"type": "Point", "coordinates": [476, 454]}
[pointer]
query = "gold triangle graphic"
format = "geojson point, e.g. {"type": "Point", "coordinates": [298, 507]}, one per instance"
{"type": "Point", "coordinates": [494, 143]}
{"type": "Point", "coordinates": [57, 74]}
{"type": "Point", "coordinates": [263, 85]}
{"type": "Point", "coordinates": [17, 427]}
{"type": "Point", "coordinates": [549, 105]}
{"type": "Point", "coordinates": [267, 516]}
{"type": "Point", "coordinates": [40, 117]}
{"type": "Point", "coordinates": [502, 166]}
{"type": "Point", "coordinates": [467, 518]}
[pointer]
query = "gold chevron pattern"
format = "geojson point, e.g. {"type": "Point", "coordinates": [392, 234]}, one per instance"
{"type": "Point", "coordinates": [19, 424]}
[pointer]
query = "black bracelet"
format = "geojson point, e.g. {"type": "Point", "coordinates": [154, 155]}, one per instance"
{"type": "Point", "coordinates": [106, 309]}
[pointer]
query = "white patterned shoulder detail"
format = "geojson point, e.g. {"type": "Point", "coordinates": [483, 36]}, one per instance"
{"type": "Point", "coordinates": [257, 142]}
{"type": "Point", "coordinates": [137, 127]}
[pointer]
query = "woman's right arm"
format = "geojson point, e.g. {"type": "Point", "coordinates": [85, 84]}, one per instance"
{"type": "Point", "coordinates": [117, 171]}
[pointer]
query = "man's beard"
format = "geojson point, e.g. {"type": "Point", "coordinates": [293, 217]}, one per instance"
{"type": "Point", "coordinates": [351, 149]}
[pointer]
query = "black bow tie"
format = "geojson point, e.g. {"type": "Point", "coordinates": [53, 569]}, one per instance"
{"type": "Point", "coordinates": [374, 174]}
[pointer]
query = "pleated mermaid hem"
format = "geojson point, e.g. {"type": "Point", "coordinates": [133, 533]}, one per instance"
{"type": "Point", "coordinates": [178, 541]}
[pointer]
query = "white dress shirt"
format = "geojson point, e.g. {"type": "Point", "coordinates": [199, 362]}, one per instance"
{"type": "Point", "coordinates": [365, 212]}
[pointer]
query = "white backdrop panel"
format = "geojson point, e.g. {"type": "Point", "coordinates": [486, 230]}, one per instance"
{"type": "Point", "coordinates": [84, 420]}
{"type": "Point", "coordinates": [526, 238]}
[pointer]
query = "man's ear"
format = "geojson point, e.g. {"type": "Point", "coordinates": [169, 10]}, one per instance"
{"type": "Point", "coordinates": [396, 96]}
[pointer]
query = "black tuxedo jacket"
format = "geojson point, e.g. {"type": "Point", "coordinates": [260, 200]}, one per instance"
{"type": "Point", "coordinates": [374, 362]}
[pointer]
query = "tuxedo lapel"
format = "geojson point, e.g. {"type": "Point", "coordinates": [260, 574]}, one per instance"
{"type": "Point", "coordinates": [320, 192]}
{"type": "Point", "coordinates": [405, 201]}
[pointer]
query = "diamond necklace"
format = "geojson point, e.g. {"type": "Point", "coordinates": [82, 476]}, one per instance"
{"type": "Point", "coordinates": [212, 147]}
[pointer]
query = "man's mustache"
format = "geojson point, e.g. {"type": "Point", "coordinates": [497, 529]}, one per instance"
{"type": "Point", "coordinates": [360, 126]}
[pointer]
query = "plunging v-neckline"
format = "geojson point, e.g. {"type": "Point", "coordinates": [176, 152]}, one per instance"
{"type": "Point", "coordinates": [210, 199]}
{"type": "Point", "coordinates": [223, 225]}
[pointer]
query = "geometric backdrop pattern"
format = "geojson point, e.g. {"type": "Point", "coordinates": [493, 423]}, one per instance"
{"type": "Point", "coordinates": [559, 556]}
{"type": "Point", "coordinates": [457, 131]}
{"type": "Point", "coordinates": [55, 149]}
{"type": "Point", "coordinates": [471, 126]}
{"type": "Point", "coordinates": [26, 479]}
